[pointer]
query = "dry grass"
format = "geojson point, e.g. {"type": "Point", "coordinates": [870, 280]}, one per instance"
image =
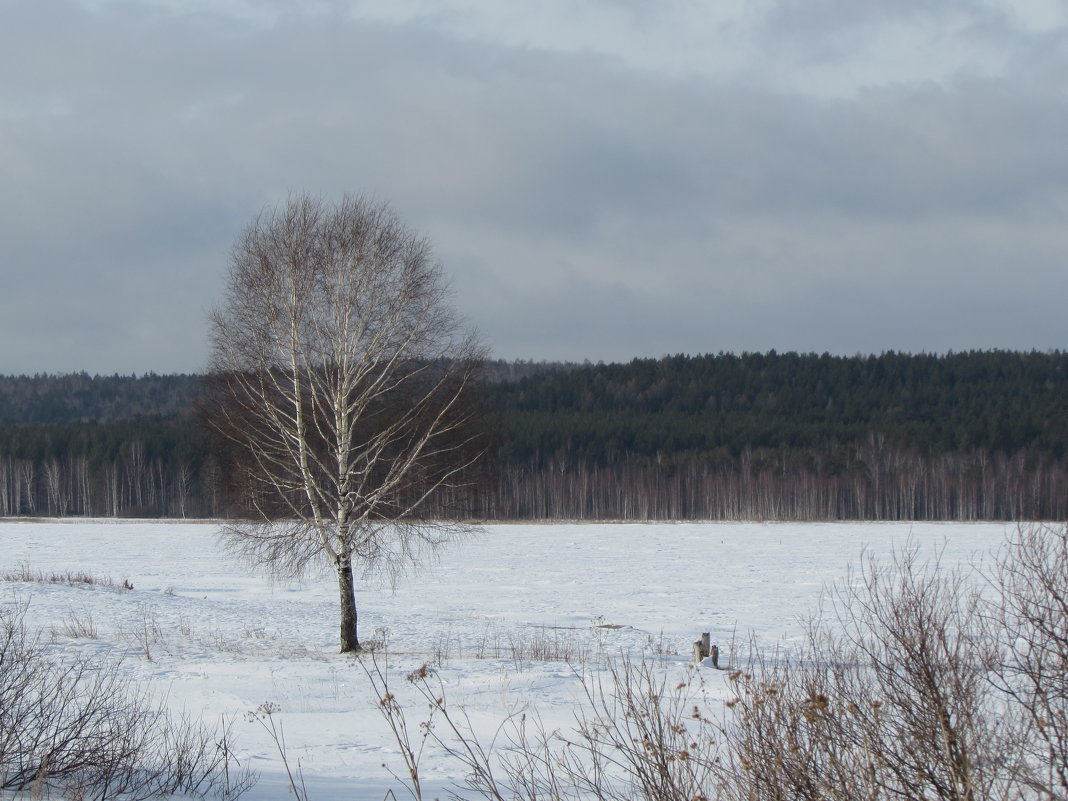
{"type": "Point", "coordinates": [26, 574]}
{"type": "Point", "coordinates": [77, 625]}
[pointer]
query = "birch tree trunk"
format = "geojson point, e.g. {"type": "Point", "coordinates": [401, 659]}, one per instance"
{"type": "Point", "coordinates": [350, 641]}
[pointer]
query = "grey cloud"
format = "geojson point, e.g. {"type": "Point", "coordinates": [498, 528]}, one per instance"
{"type": "Point", "coordinates": [585, 208]}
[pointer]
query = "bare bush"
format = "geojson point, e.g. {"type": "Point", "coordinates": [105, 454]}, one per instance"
{"type": "Point", "coordinates": [547, 644]}
{"type": "Point", "coordinates": [908, 689]}
{"type": "Point", "coordinates": [523, 645]}
{"type": "Point", "coordinates": [638, 737]}
{"type": "Point", "coordinates": [77, 726]}
{"type": "Point", "coordinates": [446, 646]}
{"type": "Point", "coordinates": [146, 631]}
{"type": "Point", "coordinates": [891, 698]}
{"type": "Point", "coordinates": [78, 625]}
{"type": "Point", "coordinates": [1031, 577]}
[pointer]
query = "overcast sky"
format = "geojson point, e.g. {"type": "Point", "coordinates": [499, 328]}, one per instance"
{"type": "Point", "coordinates": [602, 179]}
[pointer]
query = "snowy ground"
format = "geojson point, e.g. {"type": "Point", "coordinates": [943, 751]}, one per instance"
{"type": "Point", "coordinates": [229, 640]}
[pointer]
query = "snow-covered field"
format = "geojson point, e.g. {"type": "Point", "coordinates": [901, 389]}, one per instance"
{"type": "Point", "coordinates": [223, 640]}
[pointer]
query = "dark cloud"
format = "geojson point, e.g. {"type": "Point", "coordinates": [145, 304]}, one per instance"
{"type": "Point", "coordinates": [587, 204]}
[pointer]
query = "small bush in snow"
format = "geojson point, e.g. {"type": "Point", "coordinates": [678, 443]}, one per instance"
{"type": "Point", "coordinates": [75, 726]}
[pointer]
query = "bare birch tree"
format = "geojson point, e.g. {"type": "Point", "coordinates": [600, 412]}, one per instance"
{"type": "Point", "coordinates": [342, 380]}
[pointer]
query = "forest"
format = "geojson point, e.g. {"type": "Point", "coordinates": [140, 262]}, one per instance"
{"type": "Point", "coordinates": [979, 435]}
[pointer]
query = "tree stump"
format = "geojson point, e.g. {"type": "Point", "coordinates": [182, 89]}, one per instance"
{"type": "Point", "coordinates": [701, 647]}
{"type": "Point", "coordinates": [704, 649]}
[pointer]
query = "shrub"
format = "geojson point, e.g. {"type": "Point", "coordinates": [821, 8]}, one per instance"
{"type": "Point", "coordinates": [918, 684]}
{"type": "Point", "coordinates": [76, 726]}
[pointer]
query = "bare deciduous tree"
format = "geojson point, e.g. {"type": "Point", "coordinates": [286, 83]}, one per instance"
{"type": "Point", "coordinates": [342, 380]}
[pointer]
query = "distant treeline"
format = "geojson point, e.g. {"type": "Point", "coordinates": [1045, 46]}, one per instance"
{"type": "Point", "coordinates": [82, 398]}
{"type": "Point", "coordinates": [968, 436]}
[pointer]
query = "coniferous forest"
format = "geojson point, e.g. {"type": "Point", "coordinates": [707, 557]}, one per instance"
{"type": "Point", "coordinates": [967, 436]}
